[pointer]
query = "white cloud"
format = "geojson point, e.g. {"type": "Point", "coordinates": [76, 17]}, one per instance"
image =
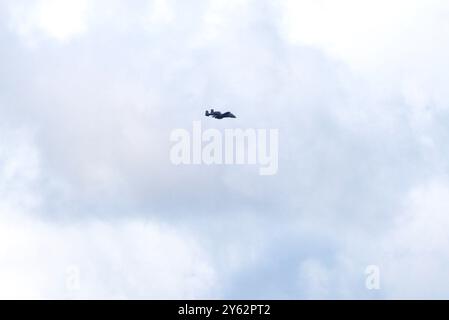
{"type": "Point", "coordinates": [413, 254]}
{"type": "Point", "coordinates": [362, 33]}
{"type": "Point", "coordinates": [358, 91]}
{"type": "Point", "coordinates": [112, 260]}
{"type": "Point", "coordinates": [57, 19]}
{"type": "Point", "coordinates": [410, 253]}
{"type": "Point", "coordinates": [19, 171]}
{"type": "Point", "coordinates": [161, 12]}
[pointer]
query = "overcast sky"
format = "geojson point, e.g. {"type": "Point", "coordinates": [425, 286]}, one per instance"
{"type": "Point", "coordinates": [91, 206]}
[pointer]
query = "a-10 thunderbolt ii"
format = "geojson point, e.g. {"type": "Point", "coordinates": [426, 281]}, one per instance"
{"type": "Point", "coordinates": [219, 115]}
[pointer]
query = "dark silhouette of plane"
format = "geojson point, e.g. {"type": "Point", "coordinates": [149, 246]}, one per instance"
{"type": "Point", "coordinates": [219, 115]}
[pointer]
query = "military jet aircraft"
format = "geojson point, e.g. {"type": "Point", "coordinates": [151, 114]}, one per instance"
{"type": "Point", "coordinates": [219, 115]}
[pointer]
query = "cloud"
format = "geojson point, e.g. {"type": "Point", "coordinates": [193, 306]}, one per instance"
{"type": "Point", "coordinates": [350, 30]}
{"type": "Point", "coordinates": [113, 260]}
{"type": "Point", "coordinates": [88, 109]}
{"type": "Point", "coordinates": [95, 258]}
{"type": "Point", "coordinates": [413, 251]}
{"type": "Point", "coordinates": [58, 20]}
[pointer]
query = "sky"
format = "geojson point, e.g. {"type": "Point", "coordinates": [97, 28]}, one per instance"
{"type": "Point", "coordinates": [92, 208]}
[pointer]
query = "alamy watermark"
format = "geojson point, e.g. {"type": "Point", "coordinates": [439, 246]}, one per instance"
{"type": "Point", "coordinates": [231, 147]}
{"type": "Point", "coordinates": [72, 279]}
{"type": "Point", "coordinates": [372, 280]}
